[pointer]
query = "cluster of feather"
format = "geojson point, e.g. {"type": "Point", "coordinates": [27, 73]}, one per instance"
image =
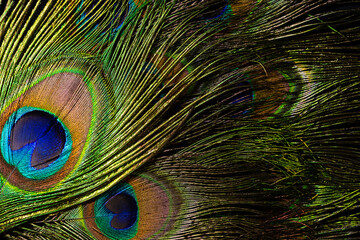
{"type": "Point", "coordinates": [234, 119]}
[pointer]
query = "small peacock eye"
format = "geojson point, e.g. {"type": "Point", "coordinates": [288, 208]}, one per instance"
{"type": "Point", "coordinates": [114, 214]}
{"type": "Point", "coordinates": [125, 210]}
{"type": "Point", "coordinates": [36, 142]}
{"type": "Point", "coordinates": [139, 208]}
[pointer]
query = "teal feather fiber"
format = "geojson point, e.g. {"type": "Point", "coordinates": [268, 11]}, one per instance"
{"type": "Point", "coordinates": [166, 119]}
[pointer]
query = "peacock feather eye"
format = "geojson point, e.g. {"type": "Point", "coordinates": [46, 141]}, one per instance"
{"type": "Point", "coordinates": [36, 142]}
{"type": "Point", "coordinates": [139, 208]}
{"type": "Point", "coordinates": [276, 89]}
{"type": "Point", "coordinates": [124, 209]}
{"type": "Point", "coordinates": [45, 129]}
{"type": "Point", "coordinates": [271, 90]}
{"type": "Point", "coordinates": [242, 7]}
{"type": "Point", "coordinates": [116, 212]}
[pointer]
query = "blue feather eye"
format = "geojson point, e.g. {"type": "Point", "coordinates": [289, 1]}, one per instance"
{"type": "Point", "coordinates": [124, 209]}
{"type": "Point", "coordinates": [116, 212]}
{"type": "Point", "coordinates": [36, 142]}
{"type": "Point", "coordinates": [139, 208]}
{"type": "Point", "coordinates": [45, 129]}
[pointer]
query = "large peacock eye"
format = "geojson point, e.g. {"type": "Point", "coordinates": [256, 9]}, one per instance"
{"type": "Point", "coordinates": [45, 129]}
{"type": "Point", "coordinates": [36, 142]}
{"type": "Point", "coordinates": [139, 208]}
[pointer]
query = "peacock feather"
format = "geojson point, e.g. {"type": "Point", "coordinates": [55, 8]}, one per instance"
{"type": "Point", "coordinates": [166, 119]}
